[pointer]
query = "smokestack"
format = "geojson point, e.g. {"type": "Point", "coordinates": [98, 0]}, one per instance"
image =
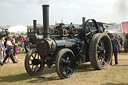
{"type": "Point", "coordinates": [34, 24]}
{"type": "Point", "coordinates": [83, 20]}
{"type": "Point", "coordinates": [46, 33]}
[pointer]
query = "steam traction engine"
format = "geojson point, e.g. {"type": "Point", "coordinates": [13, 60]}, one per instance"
{"type": "Point", "coordinates": [89, 43]}
{"type": "Point", "coordinates": [34, 35]}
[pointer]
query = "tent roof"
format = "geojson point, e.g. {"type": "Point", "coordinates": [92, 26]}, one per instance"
{"type": "Point", "coordinates": [124, 26]}
{"type": "Point", "coordinates": [17, 28]}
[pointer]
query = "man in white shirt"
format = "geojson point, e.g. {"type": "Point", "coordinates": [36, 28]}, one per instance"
{"type": "Point", "coordinates": [9, 50]}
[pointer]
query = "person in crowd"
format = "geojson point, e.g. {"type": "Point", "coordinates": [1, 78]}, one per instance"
{"type": "Point", "coordinates": [21, 41]}
{"type": "Point", "coordinates": [6, 39]}
{"type": "Point", "coordinates": [24, 40]}
{"type": "Point", "coordinates": [9, 50]}
{"type": "Point", "coordinates": [120, 40]}
{"type": "Point", "coordinates": [14, 49]}
{"type": "Point", "coordinates": [0, 50]}
{"type": "Point", "coordinates": [116, 37]}
{"type": "Point", "coordinates": [115, 45]}
{"type": "Point", "coordinates": [27, 39]}
{"type": "Point", "coordinates": [0, 53]}
{"type": "Point", "coordinates": [3, 47]}
{"type": "Point", "coordinates": [1, 63]}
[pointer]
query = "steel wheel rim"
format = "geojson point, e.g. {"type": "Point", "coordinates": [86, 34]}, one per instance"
{"type": "Point", "coordinates": [67, 64]}
{"type": "Point", "coordinates": [103, 52]}
{"type": "Point", "coordinates": [28, 46]}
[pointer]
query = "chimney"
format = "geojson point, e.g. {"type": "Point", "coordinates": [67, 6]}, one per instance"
{"type": "Point", "coordinates": [83, 20]}
{"type": "Point", "coordinates": [34, 24]}
{"type": "Point", "coordinates": [46, 33]}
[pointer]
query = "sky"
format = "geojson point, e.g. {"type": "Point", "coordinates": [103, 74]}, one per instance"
{"type": "Point", "coordinates": [23, 12]}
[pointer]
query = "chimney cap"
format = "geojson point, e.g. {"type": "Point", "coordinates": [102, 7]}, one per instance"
{"type": "Point", "coordinates": [45, 5]}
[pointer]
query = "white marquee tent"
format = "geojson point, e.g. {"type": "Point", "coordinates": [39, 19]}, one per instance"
{"type": "Point", "coordinates": [18, 29]}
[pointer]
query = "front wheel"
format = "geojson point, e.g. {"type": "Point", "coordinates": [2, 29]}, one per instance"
{"type": "Point", "coordinates": [34, 63]}
{"type": "Point", "coordinates": [65, 63]}
{"type": "Point", "coordinates": [27, 46]}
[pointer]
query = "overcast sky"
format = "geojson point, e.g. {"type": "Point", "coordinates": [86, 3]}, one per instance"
{"type": "Point", "coordinates": [23, 12]}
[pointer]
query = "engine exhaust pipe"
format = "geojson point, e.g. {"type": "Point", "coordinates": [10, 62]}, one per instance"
{"type": "Point", "coordinates": [46, 33]}
{"type": "Point", "coordinates": [83, 20]}
{"type": "Point", "coordinates": [34, 24]}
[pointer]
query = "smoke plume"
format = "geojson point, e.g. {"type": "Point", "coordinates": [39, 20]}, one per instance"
{"type": "Point", "coordinates": [122, 8]}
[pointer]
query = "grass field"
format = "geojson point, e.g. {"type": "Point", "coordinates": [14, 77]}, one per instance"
{"type": "Point", "coordinates": [85, 74]}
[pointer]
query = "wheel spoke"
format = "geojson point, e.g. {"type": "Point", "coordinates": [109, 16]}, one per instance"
{"type": "Point", "coordinates": [88, 33]}
{"type": "Point", "coordinates": [63, 69]}
{"type": "Point", "coordinates": [30, 59]}
{"type": "Point", "coordinates": [99, 57]}
{"type": "Point", "coordinates": [101, 45]}
{"type": "Point", "coordinates": [88, 27]}
{"type": "Point", "coordinates": [98, 51]}
{"type": "Point", "coordinates": [66, 70]}
{"type": "Point", "coordinates": [32, 67]}
{"type": "Point", "coordinates": [30, 64]}
{"type": "Point", "coordinates": [33, 56]}
{"type": "Point", "coordinates": [38, 56]}
{"type": "Point", "coordinates": [67, 58]}
{"type": "Point", "coordinates": [35, 69]}
{"type": "Point", "coordinates": [103, 62]}
{"type": "Point", "coordinates": [103, 56]}
{"type": "Point", "coordinates": [94, 30]}
{"type": "Point", "coordinates": [63, 60]}
{"type": "Point", "coordinates": [70, 69]}
{"type": "Point", "coordinates": [100, 48]}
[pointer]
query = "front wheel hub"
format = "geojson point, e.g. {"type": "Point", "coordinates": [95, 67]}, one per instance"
{"type": "Point", "coordinates": [35, 62]}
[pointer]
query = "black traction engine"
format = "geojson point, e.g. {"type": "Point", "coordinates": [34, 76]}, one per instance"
{"type": "Point", "coordinates": [88, 43]}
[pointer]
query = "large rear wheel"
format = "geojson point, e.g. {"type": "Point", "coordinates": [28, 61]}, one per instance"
{"type": "Point", "coordinates": [100, 51]}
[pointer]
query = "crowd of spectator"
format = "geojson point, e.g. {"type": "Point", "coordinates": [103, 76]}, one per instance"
{"type": "Point", "coordinates": [9, 48]}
